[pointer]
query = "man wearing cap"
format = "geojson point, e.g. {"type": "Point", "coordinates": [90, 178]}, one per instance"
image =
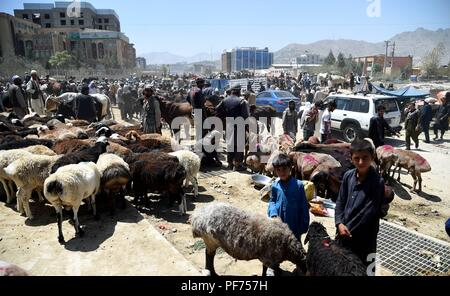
{"type": "Point", "coordinates": [234, 107]}
{"type": "Point", "coordinates": [37, 97]}
{"type": "Point", "coordinates": [84, 106]}
{"type": "Point", "coordinates": [18, 97]}
{"type": "Point", "coordinates": [151, 113]}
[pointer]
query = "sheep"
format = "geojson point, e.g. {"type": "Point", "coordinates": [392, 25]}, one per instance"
{"type": "Point", "coordinates": [29, 173]}
{"type": "Point", "coordinates": [62, 132]}
{"type": "Point", "coordinates": [6, 158]}
{"type": "Point", "coordinates": [25, 143]}
{"type": "Point", "coordinates": [246, 236]}
{"type": "Point", "coordinates": [71, 145]}
{"type": "Point", "coordinates": [40, 150]}
{"type": "Point", "coordinates": [8, 269]}
{"type": "Point", "coordinates": [327, 258]}
{"type": "Point", "coordinates": [152, 141]}
{"type": "Point", "coordinates": [386, 158]}
{"type": "Point", "coordinates": [191, 163]}
{"type": "Point", "coordinates": [157, 175]}
{"type": "Point", "coordinates": [414, 164]}
{"type": "Point", "coordinates": [115, 175]}
{"type": "Point", "coordinates": [86, 155]}
{"type": "Point", "coordinates": [68, 186]}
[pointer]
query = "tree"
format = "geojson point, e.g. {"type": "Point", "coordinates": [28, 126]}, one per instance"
{"type": "Point", "coordinates": [377, 68]}
{"type": "Point", "coordinates": [330, 59]}
{"type": "Point", "coordinates": [432, 61]}
{"type": "Point", "coordinates": [60, 59]}
{"type": "Point", "coordinates": [340, 63]}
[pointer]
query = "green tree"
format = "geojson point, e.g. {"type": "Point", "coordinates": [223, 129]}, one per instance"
{"type": "Point", "coordinates": [60, 59]}
{"type": "Point", "coordinates": [432, 61]}
{"type": "Point", "coordinates": [330, 59]}
{"type": "Point", "coordinates": [377, 68]}
{"type": "Point", "coordinates": [340, 63]}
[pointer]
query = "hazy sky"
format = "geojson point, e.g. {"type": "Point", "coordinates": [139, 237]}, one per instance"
{"type": "Point", "coordinates": [190, 27]}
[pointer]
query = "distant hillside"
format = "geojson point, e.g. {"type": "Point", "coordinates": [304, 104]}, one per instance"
{"type": "Point", "coordinates": [169, 58]}
{"type": "Point", "coordinates": [416, 43]}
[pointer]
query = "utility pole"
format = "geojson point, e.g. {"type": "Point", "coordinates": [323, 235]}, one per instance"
{"type": "Point", "coordinates": [393, 55]}
{"type": "Point", "coordinates": [385, 57]}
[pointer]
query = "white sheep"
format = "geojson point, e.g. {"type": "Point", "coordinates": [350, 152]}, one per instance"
{"type": "Point", "coordinates": [191, 163]}
{"type": "Point", "coordinates": [6, 158]}
{"type": "Point", "coordinates": [29, 173]}
{"type": "Point", "coordinates": [68, 186]}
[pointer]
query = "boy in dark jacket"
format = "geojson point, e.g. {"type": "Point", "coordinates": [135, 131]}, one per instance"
{"type": "Point", "coordinates": [358, 207]}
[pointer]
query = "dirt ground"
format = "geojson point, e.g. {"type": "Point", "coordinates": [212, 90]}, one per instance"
{"type": "Point", "coordinates": [425, 213]}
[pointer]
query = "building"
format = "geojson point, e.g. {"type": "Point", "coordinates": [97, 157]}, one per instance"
{"type": "Point", "coordinates": [394, 65]}
{"type": "Point", "coordinates": [141, 63]}
{"type": "Point", "coordinates": [226, 62]}
{"type": "Point", "coordinates": [308, 59]}
{"type": "Point", "coordinates": [92, 37]}
{"type": "Point", "coordinates": [13, 35]}
{"type": "Point", "coordinates": [62, 15]}
{"type": "Point", "coordinates": [102, 48]}
{"type": "Point", "coordinates": [247, 58]}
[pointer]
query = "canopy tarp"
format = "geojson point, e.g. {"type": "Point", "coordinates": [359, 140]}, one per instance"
{"type": "Point", "coordinates": [406, 92]}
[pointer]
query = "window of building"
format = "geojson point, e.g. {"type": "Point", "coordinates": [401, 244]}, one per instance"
{"type": "Point", "coordinates": [106, 27]}
{"type": "Point", "coordinates": [62, 14]}
{"type": "Point", "coordinates": [72, 22]}
{"type": "Point", "coordinates": [48, 25]}
{"type": "Point", "coordinates": [25, 16]}
{"type": "Point", "coordinates": [63, 22]}
{"type": "Point", "coordinates": [100, 27]}
{"type": "Point", "coordinates": [81, 14]}
{"type": "Point", "coordinates": [99, 21]}
{"type": "Point", "coordinates": [106, 21]}
{"type": "Point", "coordinates": [47, 16]}
{"type": "Point", "coordinates": [101, 51]}
{"type": "Point", "coordinates": [94, 51]}
{"type": "Point", "coordinates": [81, 22]}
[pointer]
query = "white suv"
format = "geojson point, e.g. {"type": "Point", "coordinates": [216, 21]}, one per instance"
{"type": "Point", "coordinates": [353, 113]}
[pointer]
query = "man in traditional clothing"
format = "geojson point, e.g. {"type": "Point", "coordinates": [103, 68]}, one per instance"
{"type": "Point", "coordinates": [18, 97]}
{"type": "Point", "coordinates": [37, 97]}
{"type": "Point", "coordinates": [151, 113]}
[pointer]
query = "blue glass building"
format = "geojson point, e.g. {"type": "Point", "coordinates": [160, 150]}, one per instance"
{"type": "Point", "coordinates": [250, 58]}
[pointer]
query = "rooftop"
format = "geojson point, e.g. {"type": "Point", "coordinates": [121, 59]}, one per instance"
{"type": "Point", "coordinates": [58, 4]}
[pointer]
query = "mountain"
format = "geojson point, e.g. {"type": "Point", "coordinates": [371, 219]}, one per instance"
{"type": "Point", "coordinates": [169, 58]}
{"type": "Point", "coordinates": [417, 44]}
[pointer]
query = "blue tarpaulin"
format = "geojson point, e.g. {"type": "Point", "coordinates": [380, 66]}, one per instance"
{"type": "Point", "coordinates": [406, 92]}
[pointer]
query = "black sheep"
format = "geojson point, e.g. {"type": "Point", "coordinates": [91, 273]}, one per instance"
{"type": "Point", "coordinates": [26, 143]}
{"type": "Point", "coordinates": [163, 176]}
{"type": "Point", "coordinates": [327, 258]}
{"type": "Point", "coordinates": [85, 155]}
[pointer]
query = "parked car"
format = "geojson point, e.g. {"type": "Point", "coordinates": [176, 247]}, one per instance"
{"type": "Point", "coordinates": [353, 113]}
{"type": "Point", "coordinates": [278, 99]}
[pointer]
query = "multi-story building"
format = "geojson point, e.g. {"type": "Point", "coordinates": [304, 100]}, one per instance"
{"type": "Point", "coordinates": [308, 59]}
{"type": "Point", "coordinates": [107, 48]}
{"type": "Point", "coordinates": [141, 63]}
{"type": "Point", "coordinates": [226, 62]}
{"type": "Point", "coordinates": [93, 36]}
{"type": "Point", "coordinates": [247, 58]}
{"type": "Point", "coordinates": [13, 34]}
{"type": "Point", "coordinates": [62, 15]}
{"type": "Point", "coordinates": [394, 65]}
